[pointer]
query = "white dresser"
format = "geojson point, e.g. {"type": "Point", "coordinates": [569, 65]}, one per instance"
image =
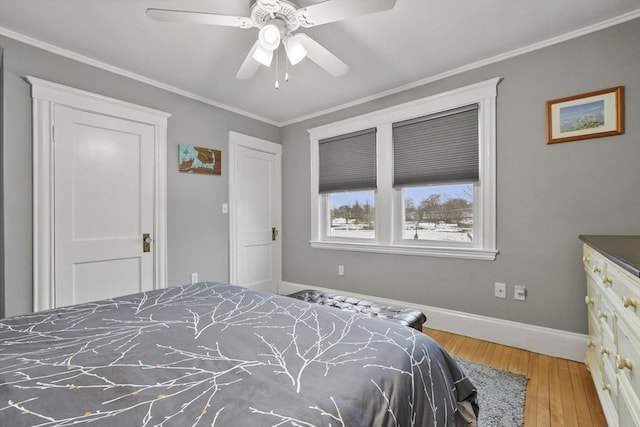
{"type": "Point", "coordinates": [612, 264]}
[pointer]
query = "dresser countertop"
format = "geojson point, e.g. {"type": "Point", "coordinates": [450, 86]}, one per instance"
{"type": "Point", "coordinates": [623, 250]}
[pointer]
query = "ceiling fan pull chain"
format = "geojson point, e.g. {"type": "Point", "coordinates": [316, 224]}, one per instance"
{"type": "Point", "coordinates": [277, 60]}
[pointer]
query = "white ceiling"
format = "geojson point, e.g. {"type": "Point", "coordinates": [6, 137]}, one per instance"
{"type": "Point", "coordinates": [416, 41]}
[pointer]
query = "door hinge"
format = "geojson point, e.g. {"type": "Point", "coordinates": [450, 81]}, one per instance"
{"type": "Point", "coordinates": [274, 233]}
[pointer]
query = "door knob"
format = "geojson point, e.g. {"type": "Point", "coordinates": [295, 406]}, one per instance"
{"type": "Point", "coordinates": [146, 242]}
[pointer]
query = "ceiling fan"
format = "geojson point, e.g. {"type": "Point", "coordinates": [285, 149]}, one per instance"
{"type": "Point", "coordinates": [277, 21]}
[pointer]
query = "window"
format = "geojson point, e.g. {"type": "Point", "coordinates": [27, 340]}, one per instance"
{"type": "Point", "coordinates": [430, 155]}
{"type": "Point", "coordinates": [351, 215]}
{"type": "Point", "coordinates": [438, 213]}
{"type": "Point", "coordinates": [347, 181]}
{"type": "Point", "coordinates": [417, 178]}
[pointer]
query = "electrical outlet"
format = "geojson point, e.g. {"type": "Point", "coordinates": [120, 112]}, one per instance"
{"type": "Point", "coordinates": [194, 277]}
{"type": "Point", "coordinates": [341, 270]}
{"type": "Point", "coordinates": [500, 290]}
{"type": "Point", "coordinates": [519, 292]}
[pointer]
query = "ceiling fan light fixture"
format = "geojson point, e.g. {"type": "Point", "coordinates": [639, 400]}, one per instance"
{"type": "Point", "coordinates": [263, 55]}
{"type": "Point", "coordinates": [295, 51]}
{"type": "Point", "coordinates": [277, 20]}
{"type": "Point", "coordinates": [271, 34]}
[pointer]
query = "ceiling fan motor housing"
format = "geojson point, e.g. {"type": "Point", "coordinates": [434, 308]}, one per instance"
{"type": "Point", "coordinates": [264, 11]}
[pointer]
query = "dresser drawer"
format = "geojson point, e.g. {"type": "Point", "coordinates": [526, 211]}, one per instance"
{"type": "Point", "coordinates": [593, 295]}
{"type": "Point", "coordinates": [607, 388]}
{"type": "Point", "coordinates": [594, 264]}
{"type": "Point", "coordinates": [595, 332]}
{"type": "Point", "coordinates": [606, 315]}
{"type": "Point", "coordinates": [594, 343]}
{"type": "Point", "coordinates": [628, 354]}
{"type": "Point", "coordinates": [625, 289]}
{"type": "Point", "coordinates": [608, 353]}
{"type": "Point", "coordinates": [628, 406]}
{"type": "Point", "coordinates": [609, 385]}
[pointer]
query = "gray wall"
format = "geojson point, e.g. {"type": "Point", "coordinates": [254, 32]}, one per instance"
{"type": "Point", "coordinates": [197, 230]}
{"type": "Point", "coordinates": [547, 194]}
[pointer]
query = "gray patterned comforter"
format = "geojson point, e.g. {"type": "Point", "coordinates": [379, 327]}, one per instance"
{"type": "Point", "coordinates": [220, 355]}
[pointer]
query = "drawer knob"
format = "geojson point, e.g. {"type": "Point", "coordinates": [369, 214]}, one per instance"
{"type": "Point", "coordinates": [596, 269]}
{"type": "Point", "coordinates": [607, 281]}
{"type": "Point", "coordinates": [591, 343]}
{"type": "Point", "coordinates": [603, 314]}
{"type": "Point", "coordinates": [585, 259]}
{"type": "Point", "coordinates": [622, 363]}
{"type": "Point", "coordinates": [606, 387]}
{"type": "Point", "coordinates": [629, 302]}
{"type": "Point", "coordinates": [588, 300]}
{"type": "Point", "coordinates": [604, 350]}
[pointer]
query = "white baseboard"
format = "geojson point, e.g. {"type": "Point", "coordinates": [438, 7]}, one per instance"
{"type": "Point", "coordinates": [538, 339]}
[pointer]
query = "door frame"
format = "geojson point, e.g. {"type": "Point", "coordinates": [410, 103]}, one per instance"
{"type": "Point", "coordinates": [45, 96]}
{"type": "Point", "coordinates": [236, 140]}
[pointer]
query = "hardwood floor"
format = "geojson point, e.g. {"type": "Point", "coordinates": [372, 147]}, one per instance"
{"type": "Point", "coordinates": [559, 392]}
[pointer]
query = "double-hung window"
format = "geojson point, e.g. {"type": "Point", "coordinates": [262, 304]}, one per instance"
{"type": "Point", "coordinates": [347, 181]}
{"type": "Point", "coordinates": [435, 170]}
{"type": "Point", "coordinates": [416, 179]}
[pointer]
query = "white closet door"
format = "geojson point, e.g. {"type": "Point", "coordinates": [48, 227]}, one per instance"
{"type": "Point", "coordinates": [255, 196]}
{"type": "Point", "coordinates": [104, 202]}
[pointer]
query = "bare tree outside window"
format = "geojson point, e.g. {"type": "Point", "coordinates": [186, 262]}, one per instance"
{"type": "Point", "coordinates": [442, 212]}
{"type": "Point", "coordinates": [352, 214]}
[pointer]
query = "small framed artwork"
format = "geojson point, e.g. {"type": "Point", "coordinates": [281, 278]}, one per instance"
{"type": "Point", "coordinates": [199, 160]}
{"type": "Point", "coordinates": [589, 115]}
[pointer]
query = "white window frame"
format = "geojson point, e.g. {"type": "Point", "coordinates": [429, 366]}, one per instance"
{"type": "Point", "coordinates": [387, 199]}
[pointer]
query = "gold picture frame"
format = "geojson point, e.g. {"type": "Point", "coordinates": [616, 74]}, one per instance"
{"type": "Point", "coordinates": [588, 115]}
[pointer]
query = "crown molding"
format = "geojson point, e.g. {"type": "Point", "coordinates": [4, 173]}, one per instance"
{"type": "Point", "coordinates": [472, 66]}
{"type": "Point", "coordinates": [126, 73]}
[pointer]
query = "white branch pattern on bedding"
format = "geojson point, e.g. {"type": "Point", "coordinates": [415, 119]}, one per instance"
{"type": "Point", "coordinates": [221, 355]}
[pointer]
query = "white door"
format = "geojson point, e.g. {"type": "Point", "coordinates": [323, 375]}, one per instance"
{"type": "Point", "coordinates": [255, 212]}
{"type": "Point", "coordinates": [104, 202]}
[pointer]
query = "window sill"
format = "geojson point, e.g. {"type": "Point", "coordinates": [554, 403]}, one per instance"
{"type": "Point", "coordinates": [433, 251]}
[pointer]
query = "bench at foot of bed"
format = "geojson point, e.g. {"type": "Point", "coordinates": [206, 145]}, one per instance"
{"type": "Point", "coordinates": [404, 316]}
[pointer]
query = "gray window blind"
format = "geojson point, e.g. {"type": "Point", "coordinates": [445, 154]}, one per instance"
{"type": "Point", "coordinates": [437, 148]}
{"type": "Point", "coordinates": [348, 162]}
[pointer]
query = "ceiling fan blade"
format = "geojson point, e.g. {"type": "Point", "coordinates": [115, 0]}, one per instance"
{"type": "Point", "coordinates": [336, 10]}
{"type": "Point", "coordinates": [321, 56]}
{"type": "Point", "coordinates": [202, 18]}
{"type": "Point", "coordinates": [249, 66]}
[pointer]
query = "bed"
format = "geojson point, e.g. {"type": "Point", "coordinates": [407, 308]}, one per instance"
{"type": "Point", "coordinates": [212, 354]}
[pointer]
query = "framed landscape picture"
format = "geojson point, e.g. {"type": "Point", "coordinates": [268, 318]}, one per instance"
{"type": "Point", "coordinates": [589, 115]}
